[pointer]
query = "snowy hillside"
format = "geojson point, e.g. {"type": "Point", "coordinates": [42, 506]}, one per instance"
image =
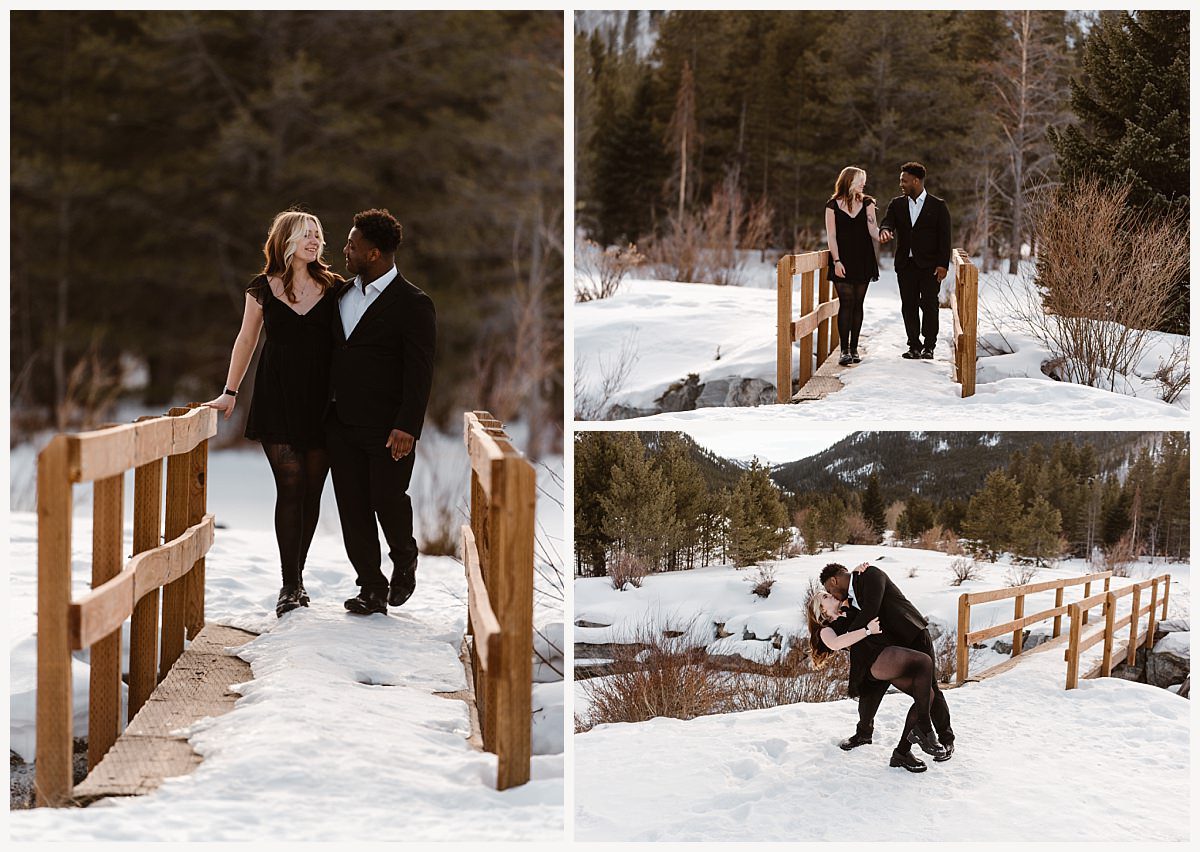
{"type": "Point", "coordinates": [715, 332]}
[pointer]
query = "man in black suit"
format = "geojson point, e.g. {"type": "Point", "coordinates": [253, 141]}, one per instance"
{"type": "Point", "coordinates": [872, 594]}
{"type": "Point", "coordinates": [920, 224]}
{"type": "Point", "coordinates": [382, 373]}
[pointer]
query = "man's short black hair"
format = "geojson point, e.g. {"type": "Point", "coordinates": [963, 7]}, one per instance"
{"type": "Point", "coordinates": [832, 570]}
{"type": "Point", "coordinates": [914, 169]}
{"type": "Point", "coordinates": [380, 229]}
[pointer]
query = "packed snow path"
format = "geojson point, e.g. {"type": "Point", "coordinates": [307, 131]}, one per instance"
{"type": "Point", "coordinates": [673, 330]}
{"type": "Point", "coordinates": [1033, 762]}
{"type": "Point", "coordinates": [339, 735]}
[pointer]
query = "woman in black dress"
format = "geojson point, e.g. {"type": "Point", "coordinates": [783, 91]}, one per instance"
{"type": "Point", "coordinates": [876, 659]}
{"type": "Point", "coordinates": [295, 299]}
{"type": "Point", "coordinates": [853, 238]}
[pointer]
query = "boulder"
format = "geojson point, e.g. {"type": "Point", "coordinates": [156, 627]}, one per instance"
{"type": "Point", "coordinates": [735, 391]}
{"type": "Point", "coordinates": [720, 632]}
{"type": "Point", "coordinates": [681, 396]}
{"type": "Point", "coordinates": [1170, 660]}
{"type": "Point", "coordinates": [582, 623]}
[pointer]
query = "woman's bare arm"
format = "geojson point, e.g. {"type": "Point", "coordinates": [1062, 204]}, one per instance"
{"type": "Point", "coordinates": [872, 225]}
{"type": "Point", "coordinates": [831, 230]}
{"type": "Point", "coordinates": [243, 351]}
{"type": "Point", "coordinates": [834, 642]}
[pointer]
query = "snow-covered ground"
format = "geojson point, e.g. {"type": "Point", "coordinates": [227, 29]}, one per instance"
{"type": "Point", "coordinates": [1108, 761]}
{"type": "Point", "coordinates": [674, 329]}
{"type": "Point", "coordinates": [339, 728]}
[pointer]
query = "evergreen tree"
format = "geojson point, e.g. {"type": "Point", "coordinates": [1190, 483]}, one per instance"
{"type": "Point", "coordinates": [831, 521]}
{"type": "Point", "coordinates": [916, 518]}
{"type": "Point", "coordinates": [873, 508]}
{"type": "Point", "coordinates": [993, 514]}
{"type": "Point", "coordinates": [1037, 534]}
{"type": "Point", "coordinates": [691, 496]}
{"type": "Point", "coordinates": [757, 518]}
{"type": "Point", "coordinates": [639, 504]}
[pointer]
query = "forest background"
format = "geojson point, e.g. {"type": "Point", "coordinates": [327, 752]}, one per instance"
{"type": "Point", "coordinates": [150, 151]}
{"type": "Point", "coordinates": [736, 124]}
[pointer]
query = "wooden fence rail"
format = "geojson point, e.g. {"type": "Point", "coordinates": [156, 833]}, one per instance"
{"type": "Point", "coordinates": [822, 319]}
{"type": "Point", "coordinates": [120, 589]}
{"type": "Point", "coordinates": [1078, 613]}
{"type": "Point", "coordinates": [964, 306]}
{"type": "Point", "coordinates": [1020, 620]}
{"type": "Point", "coordinates": [497, 549]}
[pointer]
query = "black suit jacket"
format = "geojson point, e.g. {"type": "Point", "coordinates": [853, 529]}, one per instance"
{"type": "Point", "coordinates": [382, 375]}
{"type": "Point", "coordinates": [929, 238]}
{"type": "Point", "coordinates": [878, 596]}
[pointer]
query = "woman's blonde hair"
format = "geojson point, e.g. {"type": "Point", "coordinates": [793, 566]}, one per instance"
{"type": "Point", "coordinates": [841, 189]}
{"type": "Point", "coordinates": [284, 237]}
{"type": "Point", "coordinates": [818, 650]}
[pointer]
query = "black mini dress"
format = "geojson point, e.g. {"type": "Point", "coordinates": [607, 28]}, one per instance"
{"type": "Point", "coordinates": [291, 384]}
{"type": "Point", "coordinates": [862, 655]}
{"type": "Point", "coordinates": [856, 249]}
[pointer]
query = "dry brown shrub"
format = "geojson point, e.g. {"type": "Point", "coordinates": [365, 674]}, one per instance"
{"type": "Point", "coordinates": [1020, 573]}
{"type": "Point", "coordinates": [1119, 557]}
{"type": "Point", "coordinates": [763, 580]}
{"type": "Point", "coordinates": [859, 530]}
{"type": "Point", "coordinates": [1104, 281]}
{"type": "Point", "coordinates": [962, 569]}
{"type": "Point", "coordinates": [945, 657]}
{"type": "Point", "coordinates": [599, 271]}
{"type": "Point", "coordinates": [627, 569]}
{"type": "Point", "coordinates": [893, 513]}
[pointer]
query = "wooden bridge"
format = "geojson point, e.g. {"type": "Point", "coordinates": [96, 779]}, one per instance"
{"type": "Point", "coordinates": [818, 315]}
{"type": "Point", "coordinates": [1078, 637]}
{"type": "Point", "coordinates": [170, 686]}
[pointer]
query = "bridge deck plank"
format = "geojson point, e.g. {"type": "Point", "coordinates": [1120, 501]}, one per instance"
{"type": "Point", "coordinates": [154, 746]}
{"type": "Point", "coordinates": [824, 381]}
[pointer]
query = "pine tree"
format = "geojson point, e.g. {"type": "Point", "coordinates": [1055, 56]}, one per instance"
{"type": "Point", "coordinates": [639, 504]}
{"type": "Point", "coordinates": [1037, 534]}
{"type": "Point", "coordinates": [873, 508]}
{"type": "Point", "coordinates": [683, 474]}
{"type": "Point", "coordinates": [757, 518]}
{"type": "Point", "coordinates": [993, 514]}
{"type": "Point", "coordinates": [831, 521]}
{"type": "Point", "coordinates": [916, 518]}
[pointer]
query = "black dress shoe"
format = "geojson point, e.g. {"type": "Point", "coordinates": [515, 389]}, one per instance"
{"type": "Point", "coordinates": [854, 359]}
{"type": "Point", "coordinates": [854, 742]}
{"type": "Point", "coordinates": [290, 598]}
{"type": "Point", "coordinates": [368, 602]}
{"type": "Point", "coordinates": [303, 595]}
{"type": "Point", "coordinates": [911, 354]}
{"type": "Point", "coordinates": [404, 583]}
{"type": "Point", "coordinates": [927, 354]}
{"type": "Point", "coordinates": [845, 359]}
{"type": "Point", "coordinates": [928, 742]}
{"type": "Point", "coordinates": [947, 750]}
{"type": "Point", "coordinates": [908, 760]}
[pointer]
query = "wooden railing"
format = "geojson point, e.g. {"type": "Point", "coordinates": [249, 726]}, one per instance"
{"type": "Point", "coordinates": [1020, 620]}
{"type": "Point", "coordinates": [497, 548]}
{"type": "Point", "coordinates": [120, 589]}
{"type": "Point", "coordinates": [1078, 613]}
{"type": "Point", "coordinates": [964, 306]}
{"type": "Point", "coordinates": [822, 319]}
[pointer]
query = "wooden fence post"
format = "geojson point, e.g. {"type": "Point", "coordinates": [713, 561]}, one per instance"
{"type": "Point", "coordinates": [1133, 625]}
{"type": "Point", "coordinates": [197, 504]}
{"type": "Point", "coordinates": [964, 627]}
{"type": "Point", "coordinates": [1019, 633]}
{"type": "Point", "coordinates": [1150, 623]}
{"type": "Point", "coordinates": [783, 310]}
{"type": "Point", "coordinates": [1087, 593]}
{"type": "Point", "coordinates": [1058, 602]}
{"type": "Point", "coordinates": [969, 307]}
{"type": "Point", "coordinates": [1110, 617]}
{"type": "Point", "coordinates": [53, 778]}
{"type": "Point", "coordinates": [823, 327]}
{"type": "Point", "coordinates": [143, 625]}
{"type": "Point", "coordinates": [104, 684]}
{"type": "Point", "coordinates": [1166, 594]}
{"type": "Point", "coordinates": [174, 600]}
{"type": "Point", "coordinates": [806, 342]}
{"type": "Point", "coordinates": [834, 331]}
{"type": "Point", "coordinates": [1073, 647]}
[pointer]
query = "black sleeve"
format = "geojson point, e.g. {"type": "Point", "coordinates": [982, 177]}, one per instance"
{"type": "Point", "coordinates": [944, 237]}
{"type": "Point", "coordinates": [259, 289]}
{"type": "Point", "coordinates": [868, 591]}
{"type": "Point", "coordinates": [420, 337]}
{"type": "Point", "coordinates": [887, 223]}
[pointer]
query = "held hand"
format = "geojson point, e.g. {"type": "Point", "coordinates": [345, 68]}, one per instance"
{"type": "Point", "coordinates": [400, 443]}
{"type": "Point", "coordinates": [885, 236]}
{"type": "Point", "coordinates": [940, 272]}
{"type": "Point", "coordinates": [839, 270]}
{"type": "Point", "coordinates": [224, 402]}
{"type": "Point", "coordinates": [873, 627]}
{"type": "Point", "coordinates": [858, 569]}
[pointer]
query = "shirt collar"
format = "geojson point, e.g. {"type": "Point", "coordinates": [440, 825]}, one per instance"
{"type": "Point", "coordinates": [919, 200]}
{"type": "Point", "coordinates": [850, 593]}
{"type": "Point", "coordinates": [380, 283]}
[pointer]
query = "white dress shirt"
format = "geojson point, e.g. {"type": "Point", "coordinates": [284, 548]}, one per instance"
{"type": "Point", "coordinates": [850, 593]}
{"type": "Point", "coordinates": [915, 206]}
{"type": "Point", "coordinates": [356, 300]}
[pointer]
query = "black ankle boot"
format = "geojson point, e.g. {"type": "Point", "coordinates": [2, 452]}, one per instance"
{"type": "Point", "coordinates": [854, 359]}
{"type": "Point", "coordinates": [290, 597]}
{"type": "Point", "coordinates": [845, 359]}
{"type": "Point", "coordinates": [907, 760]}
{"type": "Point", "coordinates": [927, 740]}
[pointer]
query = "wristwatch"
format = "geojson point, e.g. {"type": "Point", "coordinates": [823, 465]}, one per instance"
{"type": "Point", "coordinates": [230, 392]}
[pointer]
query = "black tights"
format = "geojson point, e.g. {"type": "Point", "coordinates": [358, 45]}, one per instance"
{"type": "Point", "coordinates": [299, 479]}
{"type": "Point", "coordinates": [850, 313]}
{"type": "Point", "coordinates": [912, 673]}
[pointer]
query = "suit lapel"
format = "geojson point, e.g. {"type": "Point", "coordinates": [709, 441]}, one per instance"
{"type": "Point", "coordinates": [339, 331]}
{"type": "Point", "coordinates": [389, 295]}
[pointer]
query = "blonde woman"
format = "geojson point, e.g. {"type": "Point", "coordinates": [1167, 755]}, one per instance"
{"type": "Point", "coordinates": [853, 236]}
{"type": "Point", "coordinates": [879, 661]}
{"type": "Point", "coordinates": [295, 299]}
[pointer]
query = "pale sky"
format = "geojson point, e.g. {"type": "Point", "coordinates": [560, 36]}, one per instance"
{"type": "Point", "coordinates": [770, 444]}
